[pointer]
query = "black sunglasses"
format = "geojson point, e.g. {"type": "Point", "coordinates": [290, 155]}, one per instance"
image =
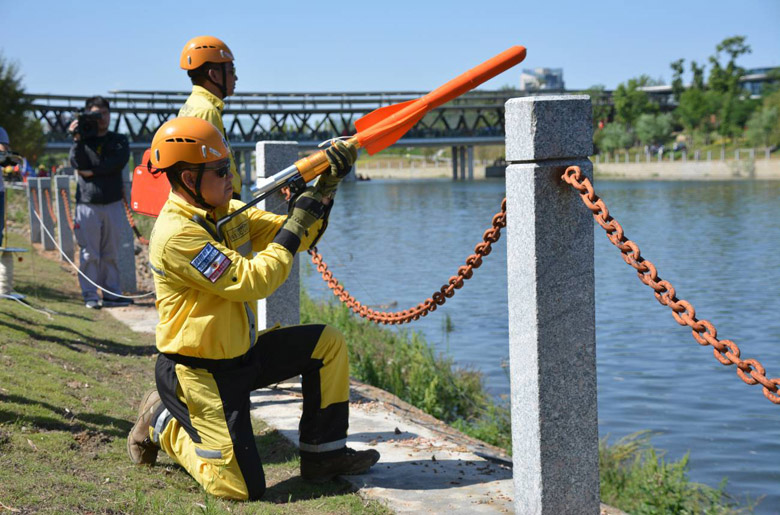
{"type": "Point", "coordinates": [222, 171]}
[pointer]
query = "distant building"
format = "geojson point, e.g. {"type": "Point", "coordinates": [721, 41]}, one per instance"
{"type": "Point", "coordinates": [755, 79]}
{"type": "Point", "coordinates": [542, 79]}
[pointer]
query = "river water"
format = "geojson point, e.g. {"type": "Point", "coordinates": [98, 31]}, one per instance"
{"type": "Point", "coordinates": [716, 242]}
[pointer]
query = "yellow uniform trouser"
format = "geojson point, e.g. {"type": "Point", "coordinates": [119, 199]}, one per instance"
{"type": "Point", "coordinates": [204, 423]}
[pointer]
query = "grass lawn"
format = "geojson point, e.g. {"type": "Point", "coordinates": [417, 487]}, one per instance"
{"type": "Point", "coordinates": [69, 391]}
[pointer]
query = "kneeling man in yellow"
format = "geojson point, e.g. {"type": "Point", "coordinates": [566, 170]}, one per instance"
{"type": "Point", "coordinates": [211, 355]}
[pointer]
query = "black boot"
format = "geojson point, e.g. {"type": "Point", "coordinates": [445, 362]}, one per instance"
{"type": "Point", "coordinates": [348, 463]}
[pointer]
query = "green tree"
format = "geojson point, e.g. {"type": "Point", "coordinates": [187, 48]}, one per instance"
{"type": "Point", "coordinates": [693, 109]}
{"type": "Point", "coordinates": [631, 102]}
{"type": "Point", "coordinates": [677, 81]}
{"type": "Point", "coordinates": [735, 108]}
{"type": "Point", "coordinates": [25, 133]}
{"type": "Point", "coordinates": [614, 136]}
{"type": "Point", "coordinates": [654, 129]}
{"type": "Point", "coordinates": [761, 125]}
{"type": "Point", "coordinates": [599, 103]}
{"type": "Point", "coordinates": [698, 75]}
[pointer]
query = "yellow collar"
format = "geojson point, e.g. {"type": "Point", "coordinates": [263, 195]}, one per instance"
{"type": "Point", "coordinates": [208, 95]}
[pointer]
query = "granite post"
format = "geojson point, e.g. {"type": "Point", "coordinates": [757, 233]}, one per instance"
{"type": "Point", "coordinates": [45, 203]}
{"type": "Point", "coordinates": [552, 336]}
{"type": "Point", "coordinates": [125, 259]}
{"type": "Point", "coordinates": [33, 207]}
{"type": "Point", "coordinates": [64, 232]}
{"type": "Point", "coordinates": [283, 306]}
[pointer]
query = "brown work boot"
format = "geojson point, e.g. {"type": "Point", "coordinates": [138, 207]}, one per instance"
{"type": "Point", "coordinates": [349, 463]}
{"type": "Point", "coordinates": [140, 447]}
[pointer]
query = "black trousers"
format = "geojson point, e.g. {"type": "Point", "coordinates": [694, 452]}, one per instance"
{"type": "Point", "coordinates": [205, 424]}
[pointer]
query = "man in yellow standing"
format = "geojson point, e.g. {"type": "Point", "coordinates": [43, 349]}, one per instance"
{"type": "Point", "coordinates": [209, 64]}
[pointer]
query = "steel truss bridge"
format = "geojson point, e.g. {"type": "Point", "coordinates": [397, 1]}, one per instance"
{"type": "Point", "coordinates": [476, 118]}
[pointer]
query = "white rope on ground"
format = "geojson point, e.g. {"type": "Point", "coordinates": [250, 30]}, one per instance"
{"type": "Point", "coordinates": [45, 312]}
{"type": "Point", "coordinates": [93, 283]}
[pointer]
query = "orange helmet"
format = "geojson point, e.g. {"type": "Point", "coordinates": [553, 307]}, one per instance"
{"type": "Point", "coordinates": [204, 49]}
{"type": "Point", "coordinates": [191, 140]}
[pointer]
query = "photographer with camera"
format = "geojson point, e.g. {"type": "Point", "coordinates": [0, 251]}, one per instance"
{"type": "Point", "coordinates": [98, 156]}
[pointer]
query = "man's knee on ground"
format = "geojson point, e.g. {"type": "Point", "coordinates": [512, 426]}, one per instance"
{"type": "Point", "coordinates": [226, 481]}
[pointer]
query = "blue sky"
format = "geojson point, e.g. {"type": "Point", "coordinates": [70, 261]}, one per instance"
{"type": "Point", "coordinates": [87, 47]}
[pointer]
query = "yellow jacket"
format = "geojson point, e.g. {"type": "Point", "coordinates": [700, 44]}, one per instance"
{"type": "Point", "coordinates": [206, 291]}
{"type": "Point", "coordinates": [202, 104]}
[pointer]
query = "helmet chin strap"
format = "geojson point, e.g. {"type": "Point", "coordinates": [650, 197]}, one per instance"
{"type": "Point", "coordinates": [222, 87]}
{"type": "Point", "coordinates": [196, 195]}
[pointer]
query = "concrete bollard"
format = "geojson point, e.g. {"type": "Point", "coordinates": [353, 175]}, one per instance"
{"type": "Point", "coordinates": [551, 308]}
{"type": "Point", "coordinates": [34, 206]}
{"type": "Point", "coordinates": [64, 232]}
{"type": "Point", "coordinates": [284, 306]}
{"type": "Point", "coordinates": [125, 259]}
{"type": "Point", "coordinates": [45, 203]}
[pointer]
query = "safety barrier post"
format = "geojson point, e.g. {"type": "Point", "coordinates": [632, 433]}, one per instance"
{"type": "Point", "coordinates": [126, 259]}
{"type": "Point", "coordinates": [44, 201]}
{"type": "Point", "coordinates": [552, 336]}
{"type": "Point", "coordinates": [33, 206]}
{"type": "Point", "coordinates": [284, 305]}
{"type": "Point", "coordinates": [64, 232]}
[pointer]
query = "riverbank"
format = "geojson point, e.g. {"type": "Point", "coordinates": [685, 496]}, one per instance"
{"type": "Point", "coordinates": [759, 169]}
{"type": "Point", "coordinates": [716, 170]}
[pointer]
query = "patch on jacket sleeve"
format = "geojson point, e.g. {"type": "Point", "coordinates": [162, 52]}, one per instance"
{"type": "Point", "coordinates": [211, 262]}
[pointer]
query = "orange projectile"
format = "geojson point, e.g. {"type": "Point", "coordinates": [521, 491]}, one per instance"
{"type": "Point", "coordinates": [384, 126]}
{"type": "Point", "coordinates": [381, 128]}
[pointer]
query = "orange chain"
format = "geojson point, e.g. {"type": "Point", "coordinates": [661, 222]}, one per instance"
{"type": "Point", "coordinates": [35, 201]}
{"type": "Point", "coordinates": [47, 194]}
{"type": "Point", "coordinates": [725, 351]}
{"type": "Point", "coordinates": [66, 202]}
{"type": "Point", "coordinates": [437, 299]}
{"type": "Point", "coordinates": [131, 221]}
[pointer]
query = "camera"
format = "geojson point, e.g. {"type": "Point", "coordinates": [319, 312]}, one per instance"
{"type": "Point", "coordinates": [88, 124]}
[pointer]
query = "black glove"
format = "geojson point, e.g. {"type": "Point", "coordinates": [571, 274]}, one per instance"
{"type": "Point", "coordinates": [341, 156]}
{"type": "Point", "coordinates": [304, 212]}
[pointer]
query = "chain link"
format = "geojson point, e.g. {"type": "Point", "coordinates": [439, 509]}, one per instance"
{"type": "Point", "coordinates": [47, 195]}
{"type": "Point", "coordinates": [725, 351]}
{"type": "Point", "coordinates": [66, 202]}
{"type": "Point", "coordinates": [438, 298]}
{"type": "Point", "coordinates": [131, 221]}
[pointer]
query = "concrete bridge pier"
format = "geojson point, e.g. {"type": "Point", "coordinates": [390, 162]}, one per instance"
{"type": "Point", "coordinates": [463, 162]}
{"type": "Point", "coordinates": [552, 336]}
{"type": "Point", "coordinates": [454, 152]}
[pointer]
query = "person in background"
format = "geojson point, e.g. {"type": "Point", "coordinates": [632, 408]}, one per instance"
{"type": "Point", "coordinates": [98, 156]}
{"type": "Point", "coordinates": [209, 64]}
{"type": "Point", "coordinates": [5, 157]}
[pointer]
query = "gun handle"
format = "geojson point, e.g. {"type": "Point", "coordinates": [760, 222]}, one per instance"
{"type": "Point", "coordinates": [312, 166]}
